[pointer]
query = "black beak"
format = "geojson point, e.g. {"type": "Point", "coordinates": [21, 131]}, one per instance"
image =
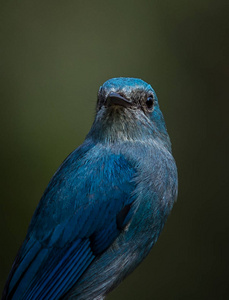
{"type": "Point", "coordinates": [116, 99]}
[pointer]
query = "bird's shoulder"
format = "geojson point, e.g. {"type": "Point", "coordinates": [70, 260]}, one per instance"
{"type": "Point", "coordinates": [90, 188]}
{"type": "Point", "coordinates": [86, 205]}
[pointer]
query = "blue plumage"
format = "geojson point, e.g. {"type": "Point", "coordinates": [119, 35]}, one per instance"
{"type": "Point", "coordinates": [105, 206]}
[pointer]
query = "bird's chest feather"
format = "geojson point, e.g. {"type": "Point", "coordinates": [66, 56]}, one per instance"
{"type": "Point", "coordinates": [155, 192]}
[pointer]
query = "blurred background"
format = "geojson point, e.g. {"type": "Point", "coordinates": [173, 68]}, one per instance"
{"type": "Point", "coordinates": [54, 55]}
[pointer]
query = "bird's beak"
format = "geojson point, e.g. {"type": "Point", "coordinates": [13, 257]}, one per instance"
{"type": "Point", "coordinates": [116, 99]}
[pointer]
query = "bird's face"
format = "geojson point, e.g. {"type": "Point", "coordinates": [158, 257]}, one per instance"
{"type": "Point", "coordinates": [127, 108]}
{"type": "Point", "coordinates": [129, 93]}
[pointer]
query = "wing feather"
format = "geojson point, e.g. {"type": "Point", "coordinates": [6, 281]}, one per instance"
{"type": "Point", "coordinates": [75, 222]}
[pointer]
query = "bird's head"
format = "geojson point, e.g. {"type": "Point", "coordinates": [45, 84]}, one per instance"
{"type": "Point", "coordinates": [127, 109]}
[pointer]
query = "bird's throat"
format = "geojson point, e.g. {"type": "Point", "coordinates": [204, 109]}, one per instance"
{"type": "Point", "coordinates": [118, 124]}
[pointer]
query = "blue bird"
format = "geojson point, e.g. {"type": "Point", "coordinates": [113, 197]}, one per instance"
{"type": "Point", "coordinates": [106, 205]}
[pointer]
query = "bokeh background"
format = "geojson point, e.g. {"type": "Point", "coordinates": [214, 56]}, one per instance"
{"type": "Point", "coordinates": [54, 55]}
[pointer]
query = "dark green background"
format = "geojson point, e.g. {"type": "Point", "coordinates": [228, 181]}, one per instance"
{"type": "Point", "coordinates": [54, 57]}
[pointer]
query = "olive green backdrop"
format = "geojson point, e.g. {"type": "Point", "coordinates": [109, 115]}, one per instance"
{"type": "Point", "coordinates": [54, 57]}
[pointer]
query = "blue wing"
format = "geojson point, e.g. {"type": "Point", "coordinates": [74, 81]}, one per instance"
{"type": "Point", "coordinates": [85, 206]}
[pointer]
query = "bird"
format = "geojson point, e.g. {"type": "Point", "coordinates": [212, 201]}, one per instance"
{"type": "Point", "coordinates": [105, 207]}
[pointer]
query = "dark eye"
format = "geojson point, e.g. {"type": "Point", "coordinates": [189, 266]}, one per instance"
{"type": "Point", "coordinates": [150, 102]}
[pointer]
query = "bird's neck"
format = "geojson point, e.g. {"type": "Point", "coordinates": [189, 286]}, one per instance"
{"type": "Point", "coordinates": [115, 126]}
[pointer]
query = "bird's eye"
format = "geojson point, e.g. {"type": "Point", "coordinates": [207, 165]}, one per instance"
{"type": "Point", "coordinates": [150, 102]}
